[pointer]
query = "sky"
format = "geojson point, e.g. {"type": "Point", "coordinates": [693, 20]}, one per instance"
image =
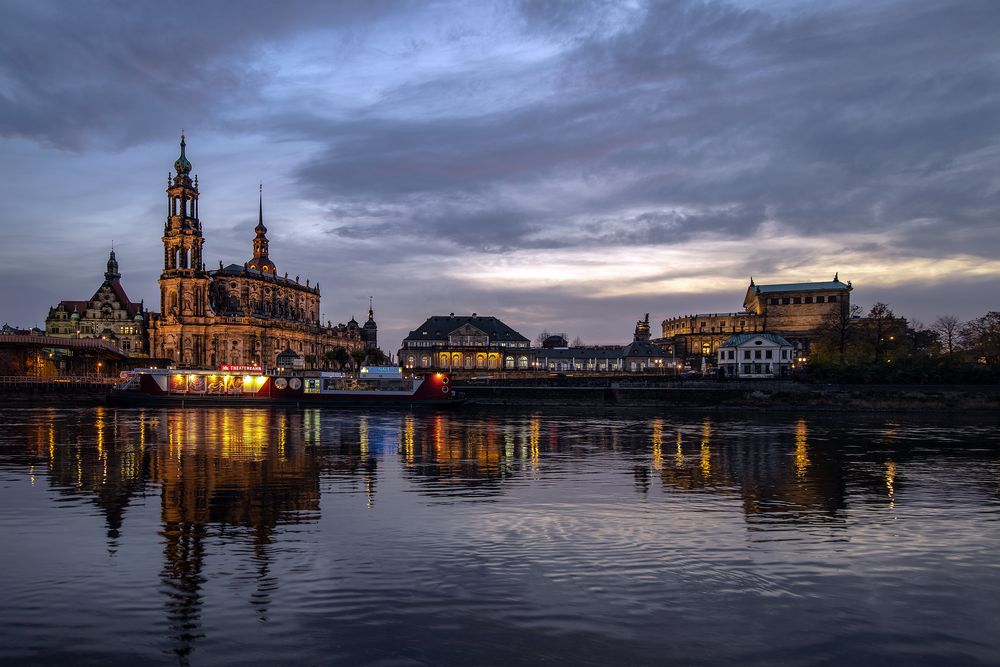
{"type": "Point", "coordinates": [565, 166]}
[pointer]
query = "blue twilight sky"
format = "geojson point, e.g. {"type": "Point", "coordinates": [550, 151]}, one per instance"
{"type": "Point", "coordinates": [562, 165]}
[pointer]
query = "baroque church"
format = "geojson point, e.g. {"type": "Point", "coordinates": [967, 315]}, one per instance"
{"type": "Point", "coordinates": [240, 314]}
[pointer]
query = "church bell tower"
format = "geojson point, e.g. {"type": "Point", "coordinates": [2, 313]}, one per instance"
{"type": "Point", "coordinates": [182, 239]}
{"type": "Point", "coordinates": [184, 283]}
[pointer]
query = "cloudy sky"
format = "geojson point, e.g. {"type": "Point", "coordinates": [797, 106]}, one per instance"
{"type": "Point", "coordinates": [562, 165]}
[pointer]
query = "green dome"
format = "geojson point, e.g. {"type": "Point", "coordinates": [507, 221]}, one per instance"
{"type": "Point", "coordinates": [181, 165]}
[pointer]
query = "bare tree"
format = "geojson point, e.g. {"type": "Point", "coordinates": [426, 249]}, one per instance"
{"type": "Point", "coordinates": [878, 328]}
{"type": "Point", "coordinates": [577, 342]}
{"type": "Point", "coordinates": [839, 326]}
{"type": "Point", "coordinates": [540, 338]}
{"type": "Point", "coordinates": [947, 326]}
{"type": "Point", "coordinates": [981, 337]}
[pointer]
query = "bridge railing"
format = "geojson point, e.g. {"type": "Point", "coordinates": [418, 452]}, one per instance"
{"type": "Point", "coordinates": [30, 380]}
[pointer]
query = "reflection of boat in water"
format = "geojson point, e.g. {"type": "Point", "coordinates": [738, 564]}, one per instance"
{"type": "Point", "coordinates": [374, 385]}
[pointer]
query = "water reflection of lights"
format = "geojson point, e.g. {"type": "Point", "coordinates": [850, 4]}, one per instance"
{"type": "Point", "coordinates": [801, 448]}
{"type": "Point", "coordinates": [408, 433]}
{"type": "Point", "coordinates": [679, 452]}
{"type": "Point", "coordinates": [657, 444]}
{"type": "Point", "coordinates": [535, 431]}
{"type": "Point", "coordinates": [363, 434]}
{"type": "Point", "coordinates": [706, 452]}
{"type": "Point", "coordinates": [890, 482]}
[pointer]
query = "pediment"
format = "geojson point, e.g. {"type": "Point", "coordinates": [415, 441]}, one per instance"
{"type": "Point", "coordinates": [467, 330]}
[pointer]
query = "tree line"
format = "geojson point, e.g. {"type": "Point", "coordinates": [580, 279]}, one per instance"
{"type": "Point", "coordinates": [881, 346]}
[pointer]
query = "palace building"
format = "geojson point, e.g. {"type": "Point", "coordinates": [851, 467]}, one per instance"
{"type": "Point", "coordinates": [792, 310]}
{"type": "Point", "coordinates": [241, 314]}
{"type": "Point", "coordinates": [460, 343]}
{"type": "Point", "coordinates": [109, 315]}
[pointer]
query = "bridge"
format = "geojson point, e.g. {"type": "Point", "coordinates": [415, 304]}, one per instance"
{"type": "Point", "coordinates": [53, 356]}
{"type": "Point", "coordinates": [93, 345]}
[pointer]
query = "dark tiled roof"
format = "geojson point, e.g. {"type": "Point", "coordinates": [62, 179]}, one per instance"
{"type": "Point", "coordinates": [70, 306]}
{"type": "Point", "coordinates": [439, 326]}
{"type": "Point", "coordinates": [641, 348]}
{"type": "Point", "coordinates": [635, 349]}
{"type": "Point", "coordinates": [603, 352]}
{"type": "Point", "coordinates": [119, 291]}
{"type": "Point", "coordinates": [240, 270]}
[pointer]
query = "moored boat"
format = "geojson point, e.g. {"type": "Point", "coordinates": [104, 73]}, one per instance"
{"type": "Point", "coordinates": [244, 386]}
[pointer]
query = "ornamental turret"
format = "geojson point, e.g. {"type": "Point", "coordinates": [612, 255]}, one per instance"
{"type": "Point", "coordinates": [369, 331]}
{"type": "Point", "coordinates": [642, 331]}
{"type": "Point", "coordinates": [260, 261]}
{"type": "Point", "coordinates": [112, 274]}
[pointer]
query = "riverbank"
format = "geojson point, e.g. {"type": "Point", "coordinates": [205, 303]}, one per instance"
{"type": "Point", "coordinates": [766, 396]}
{"type": "Point", "coordinates": [762, 397]}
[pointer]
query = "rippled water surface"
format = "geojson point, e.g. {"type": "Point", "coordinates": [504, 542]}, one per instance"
{"type": "Point", "coordinates": [225, 536]}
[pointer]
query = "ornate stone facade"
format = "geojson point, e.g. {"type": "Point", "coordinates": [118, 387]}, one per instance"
{"type": "Point", "coordinates": [109, 315]}
{"type": "Point", "coordinates": [239, 314]}
{"type": "Point", "coordinates": [793, 310]}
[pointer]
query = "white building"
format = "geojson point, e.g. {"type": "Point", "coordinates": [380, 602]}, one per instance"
{"type": "Point", "coordinates": [755, 355]}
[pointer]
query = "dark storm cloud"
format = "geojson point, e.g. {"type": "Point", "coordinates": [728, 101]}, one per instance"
{"type": "Point", "coordinates": [438, 134]}
{"type": "Point", "coordinates": [76, 74]}
{"type": "Point", "coordinates": [833, 118]}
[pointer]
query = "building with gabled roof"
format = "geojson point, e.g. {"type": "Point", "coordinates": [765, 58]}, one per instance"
{"type": "Point", "coordinates": [109, 315]}
{"type": "Point", "coordinates": [756, 355]}
{"type": "Point", "coordinates": [465, 343]}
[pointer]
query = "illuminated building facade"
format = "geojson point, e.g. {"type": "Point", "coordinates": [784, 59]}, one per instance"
{"type": "Point", "coordinates": [756, 355]}
{"type": "Point", "coordinates": [237, 314]}
{"type": "Point", "coordinates": [638, 356]}
{"type": "Point", "coordinates": [459, 343]}
{"type": "Point", "coordinates": [792, 310]}
{"type": "Point", "coordinates": [109, 314]}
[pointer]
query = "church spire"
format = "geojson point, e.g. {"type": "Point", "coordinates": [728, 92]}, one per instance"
{"type": "Point", "coordinates": [181, 165]}
{"type": "Point", "coordinates": [260, 261]}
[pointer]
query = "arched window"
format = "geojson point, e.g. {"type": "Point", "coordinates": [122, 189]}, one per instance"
{"type": "Point", "coordinates": [522, 363]}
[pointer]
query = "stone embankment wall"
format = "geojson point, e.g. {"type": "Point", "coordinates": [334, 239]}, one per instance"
{"type": "Point", "coordinates": [767, 396]}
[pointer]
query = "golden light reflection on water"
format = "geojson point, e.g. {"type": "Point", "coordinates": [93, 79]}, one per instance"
{"type": "Point", "coordinates": [679, 451]}
{"type": "Point", "coordinates": [801, 448]}
{"type": "Point", "coordinates": [534, 438]}
{"type": "Point", "coordinates": [890, 482]}
{"type": "Point", "coordinates": [409, 430]}
{"type": "Point", "coordinates": [706, 451]}
{"type": "Point", "coordinates": [363, 434]}
{"type": "Point", "coordinates": [657, 456]}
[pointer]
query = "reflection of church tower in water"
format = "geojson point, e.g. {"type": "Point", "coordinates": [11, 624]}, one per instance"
{"type": "Point", "coordinates": [256, 475]}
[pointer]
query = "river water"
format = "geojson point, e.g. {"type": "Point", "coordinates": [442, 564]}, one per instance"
{"type": "Point", "coordinates": [252, 536]}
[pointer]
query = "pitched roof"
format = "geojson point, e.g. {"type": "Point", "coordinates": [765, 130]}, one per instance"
{"type": "Point", "coordinates": [70, 306]}
{"type": "Point", "coordinates": [119, 291]}
{"type": "Point", "coordinates": [741, 338]}
{"type": "Point", "coordinates": [439, 326]}
{"type": "Point", "coordinates": [803, 287]}
{"type": "Point", "coordinates": [241, 270]}
{"type": "Point", "coordinates": [641, 348]}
